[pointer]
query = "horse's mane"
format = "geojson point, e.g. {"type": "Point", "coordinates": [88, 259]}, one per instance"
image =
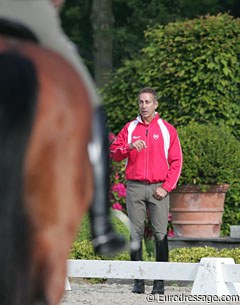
{"type": "Point", "coordinates": [18, 90]}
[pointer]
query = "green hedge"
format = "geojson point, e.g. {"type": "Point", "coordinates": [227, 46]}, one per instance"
{"type": "Point", "coordinates": [211, 155]}
{"type": "Point", "coordinates": [194, 254]}
{"type": "Point", "coordinates": [193, 65]}
{"type": "Point", "coordinates": [84, 250]}
{"type": "Point", "coordinates": [82, 247]}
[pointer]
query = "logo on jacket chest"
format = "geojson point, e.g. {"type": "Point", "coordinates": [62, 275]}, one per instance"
{"type": "Point", "coordinates": [136, 137]}
{"type": "Point", "coordinates": [155, 136]}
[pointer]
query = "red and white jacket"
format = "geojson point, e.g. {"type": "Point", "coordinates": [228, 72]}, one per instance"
{"type": "Point", "coordinates": [161, 161]}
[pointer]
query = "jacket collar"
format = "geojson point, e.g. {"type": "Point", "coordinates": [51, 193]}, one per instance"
{"type": "Point", "coordinates": [139, 118]}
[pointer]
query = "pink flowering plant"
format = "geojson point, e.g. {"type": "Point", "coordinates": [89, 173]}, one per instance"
{"type": "Point", "coordinates": [118, 183]}
{"type": "Point", "coordinates": [170, 227]}
{"type": "Point", "coordinates": [118, 189]}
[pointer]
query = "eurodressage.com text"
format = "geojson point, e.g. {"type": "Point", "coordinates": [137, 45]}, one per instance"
{"type": "Point", "coordinates": [179, 298]}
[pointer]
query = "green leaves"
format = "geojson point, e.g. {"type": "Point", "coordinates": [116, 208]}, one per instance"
{"type": "Point", "coordinates": [194, 254]}
{"type": "Point", "coordinates": [211, 154]}
{"type": "Point", "coordinates": [193, 65]}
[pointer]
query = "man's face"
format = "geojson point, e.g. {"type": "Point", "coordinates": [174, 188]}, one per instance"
{"type": "Point", "coordinates": [147, 106]}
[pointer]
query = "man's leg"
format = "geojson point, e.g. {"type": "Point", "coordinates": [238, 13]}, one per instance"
{"type": "Point", "coordinates": [161, 247]}
{"type": "Point", "coordinates": [136, 208]}
{"type": "Point", "coordinates": [139, 286]}
{"type": "Point", "coordinates": [159, 218]}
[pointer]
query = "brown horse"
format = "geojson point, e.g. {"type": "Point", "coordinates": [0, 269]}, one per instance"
{"type": "Point", "coordinates": [55, 166]}
{"type": "Point", "coordinates": [46, 177]}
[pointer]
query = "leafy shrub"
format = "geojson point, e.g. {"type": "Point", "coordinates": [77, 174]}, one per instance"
{"type": "Point", "coordinates": [194, 254]}
{"type": "Point", "coordinates": [234, 253]}
{"type": "Point", "coordinates": [231, 215]}
{"type": "Point", "coordinates": [211, 155]}
{"type": "Point", "coordinates": [84, 229]}
{"type": "Point", "coordinates": [120, 227]}
{"type": "Point", "coordinates": [84, 232]}
{"type": "Point", "coordinates": [84, 250]}
{"type": "Point", "coordinates": [193, 65]}
{"type": "Point", "coordinates": [82, 247]}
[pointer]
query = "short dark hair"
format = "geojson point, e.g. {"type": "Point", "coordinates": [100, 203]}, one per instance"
{"type": "Point", "coordinates": [149, 90]}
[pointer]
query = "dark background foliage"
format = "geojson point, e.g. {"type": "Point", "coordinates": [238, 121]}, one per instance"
{"type": "Point", "coordinates": [131, 19]}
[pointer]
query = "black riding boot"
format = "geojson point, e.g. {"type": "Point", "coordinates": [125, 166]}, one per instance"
{"type": "Point", "coordinates": [139, 286]}
{"type": "Point", "coordinates": [161, 256]}
{"type": "Point", "coordinates": [104, 239]}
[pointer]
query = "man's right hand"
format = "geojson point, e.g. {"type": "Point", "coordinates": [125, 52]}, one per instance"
{"type": "Point", "coordinates": [139, 145]}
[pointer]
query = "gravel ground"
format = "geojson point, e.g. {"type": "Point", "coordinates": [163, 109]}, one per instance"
{"type": "Point", "coordinates": [118, 292]}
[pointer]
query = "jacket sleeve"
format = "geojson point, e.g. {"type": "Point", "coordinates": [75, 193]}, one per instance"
{"type": "Point", "coordinates": [120, 149]}
{"type": "Point", "coordinates": [174, 161]}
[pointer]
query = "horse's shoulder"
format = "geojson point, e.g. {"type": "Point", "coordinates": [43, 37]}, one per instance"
{"type": "Point", "coordinates": [58, 72]}
{"type": "Point", "coordinates": [50, 61]}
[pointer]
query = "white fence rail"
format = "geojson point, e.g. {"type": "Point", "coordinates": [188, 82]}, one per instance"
{"type": "Point", "coordinates": [212, 276]}
{"type": "Point", "coordinates": [130, 270]}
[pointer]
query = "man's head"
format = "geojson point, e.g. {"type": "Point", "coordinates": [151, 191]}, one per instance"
{"type": "Point", "coordinates": [147, 101]}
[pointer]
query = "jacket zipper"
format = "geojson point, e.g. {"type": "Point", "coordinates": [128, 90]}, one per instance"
{"type": "Point", "coordinates": [146, 150]}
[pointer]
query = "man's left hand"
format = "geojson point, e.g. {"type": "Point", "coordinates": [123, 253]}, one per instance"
{"type": "Point", "coordinates": [160, 193]}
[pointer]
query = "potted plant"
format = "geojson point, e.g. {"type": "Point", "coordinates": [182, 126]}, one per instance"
{"type": "Point", "coordinates": [211, 164]}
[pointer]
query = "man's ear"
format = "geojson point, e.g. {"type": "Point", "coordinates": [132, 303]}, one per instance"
{"type": "Point", "coordinates": [156, 105]}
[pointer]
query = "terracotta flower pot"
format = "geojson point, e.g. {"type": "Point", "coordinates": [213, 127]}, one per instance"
{"type": "Point", "coordinates": [197, 213]}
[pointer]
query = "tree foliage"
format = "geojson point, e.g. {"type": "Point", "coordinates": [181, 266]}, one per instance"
{"type": "Point", "coordinates": [193, 65]}
{"type": "Point", "coordinates": [132, 19]}
{"type": "Point", "coordinates": [76, 23]}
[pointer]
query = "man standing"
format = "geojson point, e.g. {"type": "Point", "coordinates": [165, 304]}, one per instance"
{"type": "Point", "coordinates": [154, 162]}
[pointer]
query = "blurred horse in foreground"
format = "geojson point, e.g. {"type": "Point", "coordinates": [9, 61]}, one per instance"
{"type": "Point", "coordinates": [46, 177]}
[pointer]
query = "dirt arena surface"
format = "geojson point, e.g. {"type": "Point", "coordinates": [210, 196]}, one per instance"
{"type": "Point", "coordinates": [118, 292]}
